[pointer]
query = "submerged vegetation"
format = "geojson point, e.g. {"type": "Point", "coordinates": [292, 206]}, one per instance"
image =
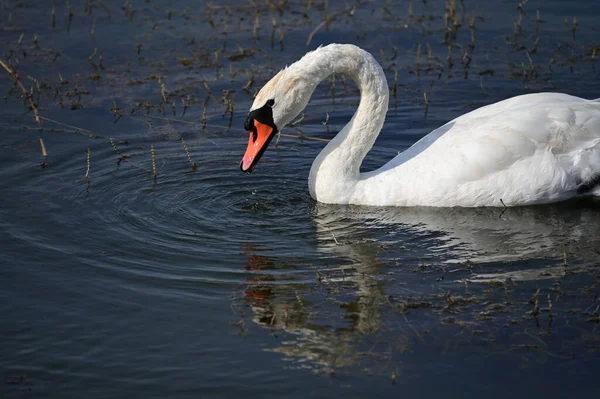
{"type": "Point", "coordinates": [162, 68]}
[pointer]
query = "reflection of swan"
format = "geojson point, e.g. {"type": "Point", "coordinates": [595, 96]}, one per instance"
{"type": "Point", "coordinates": [283, 305]}
{"type": "Point", "coordinates": [476, 234]}
{"type": "Point", "coordinates": [329, 320]}
{"type": "Point", "coordinates": [529, 149]}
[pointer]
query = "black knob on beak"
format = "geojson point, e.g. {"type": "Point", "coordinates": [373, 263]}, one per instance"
{"type": "Point", "coordinates": [249, 124]}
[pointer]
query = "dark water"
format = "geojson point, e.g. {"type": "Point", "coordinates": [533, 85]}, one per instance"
{"type": "Point", "coordinates": [211, 283]}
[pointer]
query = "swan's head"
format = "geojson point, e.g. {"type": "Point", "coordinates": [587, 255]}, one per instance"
{"type": "Point", "coordinates": [277, 103]}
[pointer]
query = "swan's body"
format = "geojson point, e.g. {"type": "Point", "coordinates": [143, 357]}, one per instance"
{"type": "Point", "coordinates": [530, 149]}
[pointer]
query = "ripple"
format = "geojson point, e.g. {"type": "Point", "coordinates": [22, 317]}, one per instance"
{"type": "Point", "coordinates": [187, 229]}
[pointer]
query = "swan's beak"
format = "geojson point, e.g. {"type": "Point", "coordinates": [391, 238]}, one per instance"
{"type": "Point", "coordinates": [260, 137]}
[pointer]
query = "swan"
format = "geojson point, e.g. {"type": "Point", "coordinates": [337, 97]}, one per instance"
{"type": "Point", "coordinates": [529, 149]}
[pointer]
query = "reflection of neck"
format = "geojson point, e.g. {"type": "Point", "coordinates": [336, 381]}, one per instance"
{"type": "Point", "coordinates": [336, 170]}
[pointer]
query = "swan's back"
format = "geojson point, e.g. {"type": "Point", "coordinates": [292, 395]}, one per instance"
{"type": "Point", "coordinates": [529, 149]}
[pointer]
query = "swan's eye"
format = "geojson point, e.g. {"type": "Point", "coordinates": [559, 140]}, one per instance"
{"type": "Point", "coordinates": [270, 103]}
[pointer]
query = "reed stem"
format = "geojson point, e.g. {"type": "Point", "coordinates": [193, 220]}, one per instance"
{"type": "Point", "coordinates": [89, 164]}
{"type": "Point", "coordinates": [187, 151]}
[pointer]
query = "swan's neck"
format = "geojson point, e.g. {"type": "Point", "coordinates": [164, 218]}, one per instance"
{"type": "Point", "coordinates": [336, 170]}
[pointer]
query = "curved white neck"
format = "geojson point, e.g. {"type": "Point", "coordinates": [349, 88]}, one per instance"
{"type": "Point", "coordinates": [336, 170]}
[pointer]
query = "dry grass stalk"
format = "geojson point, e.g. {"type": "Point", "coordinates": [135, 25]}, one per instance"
{"type": "Point", "coordinates": [163, 90]}
{"type": "Point", "coordinates": [204, 120]}
{"type": "Point", "coordinates": [15, 77]}
{"type": "Point", "coordinates": [115, 146]}
{"type": "Point", "coordinates": [155, 173]}
{"type": "Point", "coordinates": [44, 153]}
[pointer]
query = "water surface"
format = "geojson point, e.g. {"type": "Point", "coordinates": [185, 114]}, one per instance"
{"type": "Point", "coordinates": [207, 282]}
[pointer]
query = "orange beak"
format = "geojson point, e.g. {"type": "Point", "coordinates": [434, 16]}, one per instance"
{"type": "Point", "coordinates": [260, 137]}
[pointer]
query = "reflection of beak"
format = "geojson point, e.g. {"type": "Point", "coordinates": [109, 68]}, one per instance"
{"type": "Point", "coordinates": [260, 137]}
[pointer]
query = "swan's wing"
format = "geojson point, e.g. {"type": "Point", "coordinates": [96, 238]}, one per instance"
{"type": "Point", "coordinates": [511, 134]}
{"type": "Point", "coordinates": [528, 149]}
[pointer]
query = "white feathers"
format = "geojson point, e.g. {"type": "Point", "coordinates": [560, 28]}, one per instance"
{"type": "Point", "coordinates": [529, 149]}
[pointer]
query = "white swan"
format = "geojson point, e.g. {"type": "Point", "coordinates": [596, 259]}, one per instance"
{"type": "Point", "coordinates": [530, 149]}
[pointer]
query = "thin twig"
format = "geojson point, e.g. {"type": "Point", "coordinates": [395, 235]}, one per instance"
{"type": "Point", "coordinates": [350, 10]}
{"type": "Point", "coordinates": [295, 136]}
{"type": "Point", "coordinates": [301, 136]}
{"type": "Point", "coordinates": [77, 129]}
{"type": "Point", "coordinates": [406, 320]}
{"type": "Point", "coordinates": [215, 7]}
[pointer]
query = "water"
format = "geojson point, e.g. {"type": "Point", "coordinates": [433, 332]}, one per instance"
{"type": "Point", "coordinates": [212, 283]}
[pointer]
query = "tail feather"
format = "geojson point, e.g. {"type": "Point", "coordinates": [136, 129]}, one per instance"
{"type": "Point", "coordinates": [590, 185]}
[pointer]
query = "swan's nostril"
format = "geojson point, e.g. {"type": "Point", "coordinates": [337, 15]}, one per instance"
{"type": "Point", "coordinates": [254, 135]}
{"type": "Point", "coordinates": [249, 123]}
